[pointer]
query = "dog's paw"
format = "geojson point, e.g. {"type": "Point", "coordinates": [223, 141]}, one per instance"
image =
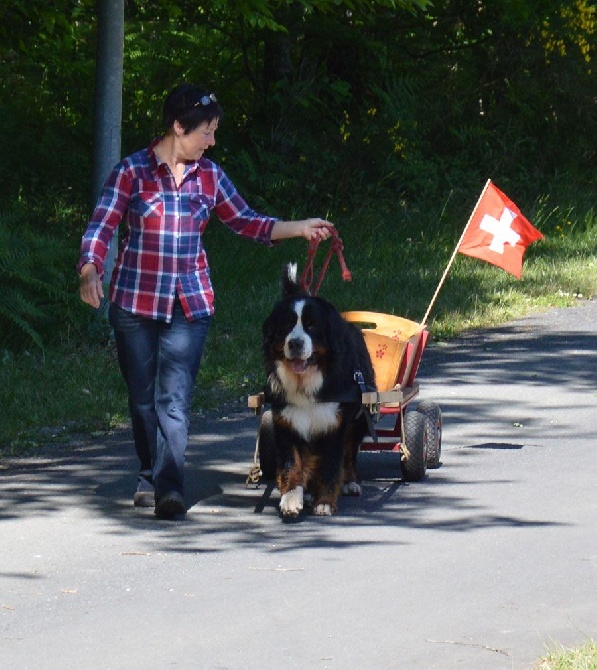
{"type": "Point", "coordinates": [322, 509]}
{"type": "Point", "coordinates": [351, 489]}
{"type": "Point", "coordinates": [291, 502]}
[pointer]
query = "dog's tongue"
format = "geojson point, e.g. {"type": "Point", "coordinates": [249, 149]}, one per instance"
{"type": "Point", "coordinates": [298, 365]}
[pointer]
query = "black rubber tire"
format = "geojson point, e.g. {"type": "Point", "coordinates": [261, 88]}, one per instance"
{"type": "Point", "coordinates": [266, 446]}
{"type": "Point", "coordinates": [414, 453]}
{"type": "Point", "coordinates": [433, 416]}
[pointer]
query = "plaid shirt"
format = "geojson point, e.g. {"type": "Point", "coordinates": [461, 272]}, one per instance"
{"type": "Point", "coordinates": [162, 253]}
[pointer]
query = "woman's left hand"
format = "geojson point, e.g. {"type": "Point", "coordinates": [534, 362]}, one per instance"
{"type": "Point", "coordinates": [310, 229]}
{"type": "Point", "coordinates": [317, 229]}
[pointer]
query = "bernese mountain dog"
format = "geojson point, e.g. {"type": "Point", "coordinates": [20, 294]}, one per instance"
{"type": "Point", "coordinates": [317, 366]}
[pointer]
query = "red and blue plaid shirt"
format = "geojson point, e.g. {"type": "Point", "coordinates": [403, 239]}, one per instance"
{"type": "Point", "coordinates": [162, 253]}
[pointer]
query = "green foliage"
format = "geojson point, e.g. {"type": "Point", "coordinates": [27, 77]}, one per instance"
{"type": "Point", "coordinates": [47, 395]}
{"type": "Point", "coordinates": [46, 100]}
{"type": "Point", "coordinates": [36, 297]}
{"type": "Point", "coordinates": [396, 262]}
{"type": "Point", "coordinates": [583, 657]}
{"type": "Point", "coordinates": [328, 100]}
{"type": "Point", "coordinates": [357, 110]}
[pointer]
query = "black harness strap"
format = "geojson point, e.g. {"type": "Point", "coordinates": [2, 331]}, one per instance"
{"type": "Point", "coordinates": [360, 380]}
{"type": "Point", "coordinates": [352, 395]}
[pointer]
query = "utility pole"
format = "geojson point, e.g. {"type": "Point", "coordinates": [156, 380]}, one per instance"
{"type": "Point", "coordinates": [108, 104]}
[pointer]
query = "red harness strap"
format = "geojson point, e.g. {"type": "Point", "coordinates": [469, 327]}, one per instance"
{"type": "Point", "coordinates": [336, 247]}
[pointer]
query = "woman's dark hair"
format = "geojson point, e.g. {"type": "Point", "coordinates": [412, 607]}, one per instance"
{"type": "Point", "coordinates": [191, 106]}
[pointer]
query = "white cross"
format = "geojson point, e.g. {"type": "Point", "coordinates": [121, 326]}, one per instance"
{"type": "Point", "coordinates": [501, 230]}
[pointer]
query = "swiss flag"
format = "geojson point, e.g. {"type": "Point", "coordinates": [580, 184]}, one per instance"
{"type": "Point", "coordinates": [497, 232]}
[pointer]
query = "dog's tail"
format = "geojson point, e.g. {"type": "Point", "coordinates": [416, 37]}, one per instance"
{"type": "Point", "coordinates": [290, 282]}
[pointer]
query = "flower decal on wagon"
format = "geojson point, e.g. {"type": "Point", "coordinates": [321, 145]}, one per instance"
{"type": "Point", "coordinates": [381, 351]}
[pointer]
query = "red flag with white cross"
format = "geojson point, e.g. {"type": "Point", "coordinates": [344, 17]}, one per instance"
{"type": "Point", "coordinates": [497, 232]}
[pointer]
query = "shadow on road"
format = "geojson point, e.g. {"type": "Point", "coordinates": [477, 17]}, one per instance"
{"type": "Point", "coordinates": [516, 355]}
{"type": "Point", "coordinates": [98, 475]}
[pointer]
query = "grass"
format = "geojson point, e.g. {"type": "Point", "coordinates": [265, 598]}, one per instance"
{"type": "Point", "coordinates": [62, 390]}
{"type": "Point", "coordinates": [396, 262]}
{"type": "Point", "coordinates": [581, 658]}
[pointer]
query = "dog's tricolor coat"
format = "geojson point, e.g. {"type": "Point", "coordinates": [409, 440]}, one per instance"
{"type": "Point", "coordinates": [311, 357]}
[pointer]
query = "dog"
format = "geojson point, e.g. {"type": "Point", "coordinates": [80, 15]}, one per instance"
{"type": "Point", "coordinates": [317, 366]}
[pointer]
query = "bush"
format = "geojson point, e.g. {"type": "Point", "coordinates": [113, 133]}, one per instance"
{"type": "Point", "coordinates": [38, 303]}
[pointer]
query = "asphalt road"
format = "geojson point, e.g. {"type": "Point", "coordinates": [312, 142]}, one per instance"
{"type": "Point", "coordinates": [484, 565]}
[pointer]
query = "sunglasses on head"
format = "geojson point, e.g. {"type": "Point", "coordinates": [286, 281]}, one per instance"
{"type": "Point", "coordinates": [206, 100]}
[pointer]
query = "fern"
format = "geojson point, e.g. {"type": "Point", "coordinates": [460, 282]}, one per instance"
{"type": "Point", "coordinates": [34, 290]}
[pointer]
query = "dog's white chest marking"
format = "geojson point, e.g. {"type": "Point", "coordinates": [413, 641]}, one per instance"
{"type": "Point", "coordinates": [312, 419]}
{"type": "Point", "coordinates": [299, 389]}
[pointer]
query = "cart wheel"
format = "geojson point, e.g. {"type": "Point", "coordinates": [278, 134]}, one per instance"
{"type": "Point", "coordinates": [414, 455]}
{"type": "Point", "coordinates": [433, 417]}
{"type": "Point", "coordinates": [266, 446]}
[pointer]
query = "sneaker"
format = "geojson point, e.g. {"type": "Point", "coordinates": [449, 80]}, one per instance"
{"type": "Point", "coordinates": [145, 494]}
{"type": "Point", "coordinates": [170, 505]}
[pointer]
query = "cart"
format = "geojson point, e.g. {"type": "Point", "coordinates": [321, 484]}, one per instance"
{"type": "Point", "coordinates": [395, 345]}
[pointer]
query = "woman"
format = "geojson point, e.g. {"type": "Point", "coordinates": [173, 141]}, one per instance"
{"type": "Point", "coordinates": [160, 291]}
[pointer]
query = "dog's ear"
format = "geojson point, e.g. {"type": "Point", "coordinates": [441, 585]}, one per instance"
{"type": "Point", "coordinates": [290, 282]}
{"type": "Point", "coordinates": [268, 330]}
{"type": "Point", "coordinates": [335, 331]}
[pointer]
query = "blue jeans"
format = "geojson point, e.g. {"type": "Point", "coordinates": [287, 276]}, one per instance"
{"type": "Point", "coordinates": [159, 362]}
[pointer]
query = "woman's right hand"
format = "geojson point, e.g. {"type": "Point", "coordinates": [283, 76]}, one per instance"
{"type": "Point", "coordinates": [90, 287]}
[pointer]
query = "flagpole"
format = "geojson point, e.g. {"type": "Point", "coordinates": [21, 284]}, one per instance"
{"type": "Point", "coordinates": [443, 279]}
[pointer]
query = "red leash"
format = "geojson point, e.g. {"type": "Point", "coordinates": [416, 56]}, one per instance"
{"type": "Point", "coordinates": [336, 247]}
